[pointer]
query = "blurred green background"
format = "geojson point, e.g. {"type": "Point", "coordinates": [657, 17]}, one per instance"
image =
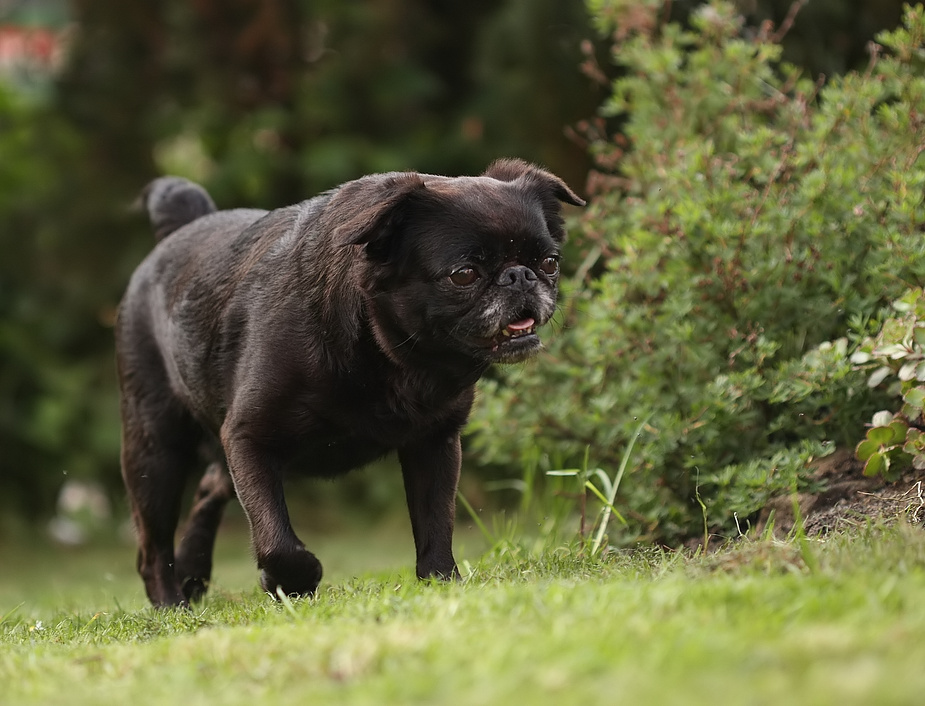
{"type": "Point", "coordinates": [266, 102]}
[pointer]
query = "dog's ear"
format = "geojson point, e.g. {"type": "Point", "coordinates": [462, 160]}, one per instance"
{"type": "Point", "coordinates": [366, 211]}
{"type": "Point", "coordinates": [549, 189]}
{"type": "Point", "coordinates": [529, 174]}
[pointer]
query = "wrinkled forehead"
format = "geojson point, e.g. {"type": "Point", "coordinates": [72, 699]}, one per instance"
{"type": "Point", "coordinates": [489, 205]}
{"type": "Point", "coordinates": [482, 219]}
{"type": "Point", "coordinates": [475, 189]}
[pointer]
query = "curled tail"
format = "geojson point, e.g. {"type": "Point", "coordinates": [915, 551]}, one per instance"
{"type": "Point", "coordinates": [172, 202]}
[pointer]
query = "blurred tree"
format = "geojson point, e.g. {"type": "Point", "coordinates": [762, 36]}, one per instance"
{"type": "Point", "coordinates": [56, 396]}
{"type": "Point", "coordinates": [266, 102]}
{"type": "Point", "coordinates": [827, 37]}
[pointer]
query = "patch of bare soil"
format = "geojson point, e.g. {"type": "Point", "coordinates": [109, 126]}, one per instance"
{"type": "Point", "coordinates": [847, 498]}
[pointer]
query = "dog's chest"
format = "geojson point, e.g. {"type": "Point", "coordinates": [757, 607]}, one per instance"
{"type": "Point", "coordinates": [333, 455]}
{"type": "Point", "coordinates": [395, 417]}
{"type": "Point", "coordinates": [350, 436]}
{"type": "Point", "coordinates": [374, 415]}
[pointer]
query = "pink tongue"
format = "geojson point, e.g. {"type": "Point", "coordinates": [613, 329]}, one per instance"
{"type": "Point", "coordinates": [521, 325]}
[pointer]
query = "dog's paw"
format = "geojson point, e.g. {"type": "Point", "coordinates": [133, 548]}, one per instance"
{"type": "Point", "coordinates": [441, 571]}
{"type": "Point", "coordinates": [294, 574]}
{"type": "Point", "coordinates": [194, 589]}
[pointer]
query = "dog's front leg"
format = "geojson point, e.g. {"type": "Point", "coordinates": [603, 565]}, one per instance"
{"type": "Point", "coordinates": [430, 469]}
{"type": "Point", "coordinates": [284, 561]}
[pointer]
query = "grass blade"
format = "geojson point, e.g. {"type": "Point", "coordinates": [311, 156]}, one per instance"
{"type": "Point", "coordinates": [599, 537]}
{"type": "Point", "coordinates": [476, 519]}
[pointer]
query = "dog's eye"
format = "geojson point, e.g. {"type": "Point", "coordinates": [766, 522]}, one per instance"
{"type": "Point", "coordinates": [550, 266]}
{"type": "Point", "coordinates": [464, 276]}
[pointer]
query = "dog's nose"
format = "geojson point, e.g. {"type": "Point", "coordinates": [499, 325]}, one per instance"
{"type": "Point", "coordinates": [518, 277]}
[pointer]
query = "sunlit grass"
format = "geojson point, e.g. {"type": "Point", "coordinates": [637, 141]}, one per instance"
{"type": "Point", "coordinates": [749, 624]}
{"type": "Point", "coordinates": [37, 576]}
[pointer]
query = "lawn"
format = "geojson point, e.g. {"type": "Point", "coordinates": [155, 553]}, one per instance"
{"type": "Point", "coordinates": [833, 622]}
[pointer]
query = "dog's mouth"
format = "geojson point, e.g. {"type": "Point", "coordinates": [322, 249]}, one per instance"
{"type": "Point", "coordinates": [516, 329]}
{"type": "Point", "coordinates": [515, 341]}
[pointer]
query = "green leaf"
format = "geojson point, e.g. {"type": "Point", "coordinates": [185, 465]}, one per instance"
{"type": "Point", "coordinates": [915, 442]}
{"type": "Point", "coordinates": [878, 376]}
{"type": "Point", "coordinates": [915, 397]}
{"type": "Point", "coordinates": [866, 449]}
{"type": "Point", "coordinates": [600, 496]}
{"type": "Point", "coordinates": [880, 435]}
{"type": "Point", "coordinates": [606, 483]}
{"type": "Point", "coordinates": [896, 351]}
{"type": "Point", "coordinates": [896, 463]}
{"type": "Point", "coordinates": [876, 464]}
{"type": "Point", "coordinates": [918, 335]}
{"type": "Point", "coordinates": [898, 429]}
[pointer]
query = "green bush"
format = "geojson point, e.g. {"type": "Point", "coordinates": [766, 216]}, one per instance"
{"type": "Point", "coordinates": [896, 356]}
{"type": "Point", "coordinates": [58, 409]}
{"type": "Point", "coordinates": [748, 226]}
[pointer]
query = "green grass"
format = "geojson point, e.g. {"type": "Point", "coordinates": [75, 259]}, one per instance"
{"type": "Point", "coordinates": [39, 577]}
{"type": "Point", "coordinates": [749, 625]}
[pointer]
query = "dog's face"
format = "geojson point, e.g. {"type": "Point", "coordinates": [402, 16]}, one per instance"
{"type": "Point", "coordinates": [467, 266]}
{"type": "Point", "coordinates": [478, 272]}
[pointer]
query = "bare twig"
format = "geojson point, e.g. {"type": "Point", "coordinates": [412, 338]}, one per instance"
{"type": "Point", "coordinates": [787, 24]}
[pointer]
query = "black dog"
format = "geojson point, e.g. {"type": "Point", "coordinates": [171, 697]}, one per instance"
{"type": "Point", "coordinates": [322, 336]}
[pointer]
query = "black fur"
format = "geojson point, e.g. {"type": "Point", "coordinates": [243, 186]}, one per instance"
{"type": "Point", "coordinates": [173, 202]}
{"type": "Point", "coordinates": [319, 337]}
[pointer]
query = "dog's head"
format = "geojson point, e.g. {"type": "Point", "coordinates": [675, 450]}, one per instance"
{"type": "Point", "coordinates": [465, 266]}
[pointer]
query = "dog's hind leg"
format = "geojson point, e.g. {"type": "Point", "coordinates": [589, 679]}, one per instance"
{"type": "Point", "coordinates": [194, 556]}
{"type": "Point", "coordinates": [159, 446]}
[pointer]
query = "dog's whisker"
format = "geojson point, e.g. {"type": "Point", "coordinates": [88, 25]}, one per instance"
{"type": "Point", "coordinates": [413, 337]}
